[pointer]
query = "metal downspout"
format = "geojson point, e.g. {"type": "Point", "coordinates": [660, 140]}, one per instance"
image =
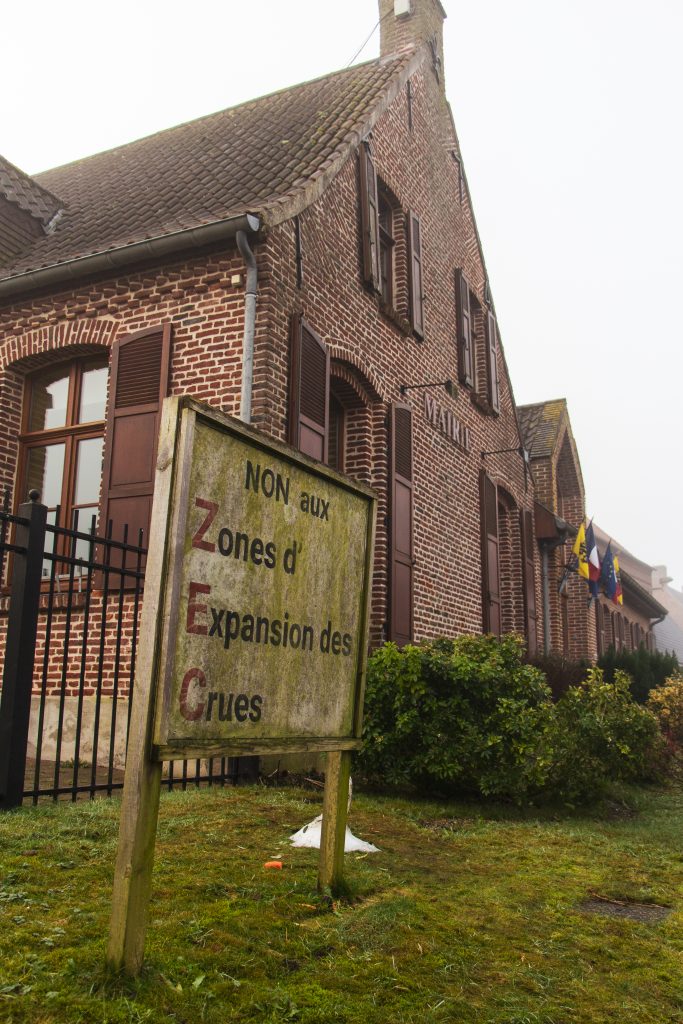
{"type": "Point", "coordinates": [249, 326]}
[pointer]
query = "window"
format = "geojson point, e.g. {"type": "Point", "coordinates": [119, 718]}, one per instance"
{"type": "Point", "coordinates": [386, 248]}
{"type": "Point", "coordinates": [392, 249]}
{"type": "Point", "coordinates": [62, 439]}
{"type": "Point", "coordinates": [87, 458]}
{"type": "Point", "coordinates": [477, 346]}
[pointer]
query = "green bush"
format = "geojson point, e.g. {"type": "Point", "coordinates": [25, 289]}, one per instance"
{"type": "Point", "coordinates": [600, 735]}
{"type": "Point", "coordinates": [463, 714]}
{"type": "Point", "coordinates": [469, 715]}
{"type": "Point", "coordinates": [647, 669]}
{"type": "Point", "coordinates": [666, 703]}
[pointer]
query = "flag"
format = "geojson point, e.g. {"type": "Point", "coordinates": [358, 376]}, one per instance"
{"type": "Point", "coordinates": [608, 575]}
{"type": "Point", "coordinates": [619, 595]}
{"type": "Point", "coordinates": [593, 557]}
{"type": "Point", "coordinates": [579, 550]}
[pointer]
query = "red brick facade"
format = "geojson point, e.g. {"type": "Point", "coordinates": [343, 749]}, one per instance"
{"type": "Point", "coordinates": [372, 348]}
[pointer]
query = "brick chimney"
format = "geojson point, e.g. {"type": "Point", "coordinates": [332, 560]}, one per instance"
{"type": "Point", "coordinates": [416, 22]}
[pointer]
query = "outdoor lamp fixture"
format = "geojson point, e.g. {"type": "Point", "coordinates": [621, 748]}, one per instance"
{"type": "Point", "coordinates": [447, 384]}
{"type": "Point", "coordinates": [526, 458]}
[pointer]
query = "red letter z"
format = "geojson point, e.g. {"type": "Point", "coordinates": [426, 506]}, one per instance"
{"type": "Point", "coordinates": [198, 539]}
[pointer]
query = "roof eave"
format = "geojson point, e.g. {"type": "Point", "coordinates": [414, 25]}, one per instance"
{"type": "Point", "coordinates": [638, 595]}
{"type": "Point", "coordinates": [128, 255]}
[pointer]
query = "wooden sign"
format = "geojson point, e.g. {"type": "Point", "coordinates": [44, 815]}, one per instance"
{"type": "Point", "coordinates": [254, 629]}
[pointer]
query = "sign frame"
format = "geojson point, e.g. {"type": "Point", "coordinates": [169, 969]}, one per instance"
{"type": "Point", "coordinates": [142, 781]}
{"type": "Point", "coordinates": [170, 520]}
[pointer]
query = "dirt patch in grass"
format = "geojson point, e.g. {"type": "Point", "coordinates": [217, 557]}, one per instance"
{"type": "Point", "coordinates": [645, 913]}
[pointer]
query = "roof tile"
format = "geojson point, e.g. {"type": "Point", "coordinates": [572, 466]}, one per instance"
{"type": "Point", "coordinates": [239, 160]}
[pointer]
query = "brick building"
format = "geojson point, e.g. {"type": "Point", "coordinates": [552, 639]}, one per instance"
{"type": "Point", "coordinates": [330, 226]}
{"type": "Point", "coordinates": [625, 627]}
{"type": "Point", "coordinates": [570, 626]}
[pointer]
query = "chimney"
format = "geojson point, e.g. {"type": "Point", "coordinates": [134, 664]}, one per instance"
{"type": "Point", "coordinates": [412, 22]}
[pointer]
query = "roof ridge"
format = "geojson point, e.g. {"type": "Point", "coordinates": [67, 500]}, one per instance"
{"type": "Point", "coordinates": [541, 405]}
{"type": "Point", "coordinates": [379, 61]}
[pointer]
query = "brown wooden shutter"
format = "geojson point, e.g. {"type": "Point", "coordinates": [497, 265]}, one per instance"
{"type": "Point", "coordinates": [564, 612]}
{"type": "Point", "coordinates": [528, 576]}
{"type": "Point", "coordinates": [309, 391]}
{"type": "Point", "coordinates": [600, 627]}
{"type": "Point", "coordinates": [492, 362]}
{"type": "Point", "coordinates": [464, 329]}
{"type": "Point", "coordinates": [369, 207]}
{"type": "Point", "coordinates": [401, 532]}
{"type": "Point", "coordinates": [490, 561]}
{"type": "Point", "coordinates": [416, 281]}
{"type": "Point", "coordinates": [139, 382]}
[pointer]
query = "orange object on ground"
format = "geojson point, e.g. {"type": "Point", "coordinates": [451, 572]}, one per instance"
{"type": "Point", "coordinates": [273, 864]}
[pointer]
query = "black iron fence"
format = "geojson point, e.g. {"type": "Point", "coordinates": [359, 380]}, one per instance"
{"type": "Point", "coordinates": [70, 604]}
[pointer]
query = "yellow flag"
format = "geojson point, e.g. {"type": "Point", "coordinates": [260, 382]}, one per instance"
{"type": "Point", "coordinates": [619, 595]}
{"type": "Point", "coordinates": [579, 550]}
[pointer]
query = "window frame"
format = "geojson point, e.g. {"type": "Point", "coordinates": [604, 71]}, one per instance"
{"type": "Point", "coordinates": [70, 434]}
{"type": "Point", "coordinates": [387, 242]}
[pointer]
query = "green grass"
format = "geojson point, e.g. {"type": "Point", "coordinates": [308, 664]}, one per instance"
{"type": "Point", "coordinates": [469, 914]}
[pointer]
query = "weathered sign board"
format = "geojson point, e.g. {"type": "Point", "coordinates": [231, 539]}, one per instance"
{"type": "Point", "coordinates": [254, 629]}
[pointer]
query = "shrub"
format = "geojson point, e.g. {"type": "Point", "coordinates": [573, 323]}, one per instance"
{"type": "Point", "coordinates": [647, 669]}
{"type": "Point", "coordinates": [666, 703]}
{"type": "Point", "coordinates": [463, 714]}
{"type": "Point", "coordinates": [600, 734]}
{"type": "Point", "coordinates": [560, 673]}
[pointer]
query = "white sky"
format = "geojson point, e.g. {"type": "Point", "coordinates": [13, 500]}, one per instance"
{"type": "Point", "coordinates": [569, 117]}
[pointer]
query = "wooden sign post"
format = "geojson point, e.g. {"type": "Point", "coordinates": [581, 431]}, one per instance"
{"type": "Point", "coordinates": [254, 630]}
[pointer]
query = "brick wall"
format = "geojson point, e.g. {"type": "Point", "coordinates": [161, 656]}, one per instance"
{"type": "Point", "coordinates": [373, 352]}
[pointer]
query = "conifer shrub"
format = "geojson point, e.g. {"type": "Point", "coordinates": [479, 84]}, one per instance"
{"type": "Point", "coordinates": [647, 669]}
{"type": "Point", "coordinates": [465, 714]}
{"type": "Point", "coordinates": [560, 672]}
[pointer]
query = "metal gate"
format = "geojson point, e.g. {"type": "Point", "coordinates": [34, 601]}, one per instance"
{"type": "Point", "coordinates": [70, 604]}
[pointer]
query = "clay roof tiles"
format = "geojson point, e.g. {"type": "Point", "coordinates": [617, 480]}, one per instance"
{"type": "Point", "coordinates": [28, 195]}
{"type": "Point", "coordinates": [540, 425]}
{"type": "Point", "coordinates": [245, 159]}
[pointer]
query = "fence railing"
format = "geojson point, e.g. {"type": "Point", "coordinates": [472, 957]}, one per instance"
{"type": "Point", "coordinates": [70, 606]}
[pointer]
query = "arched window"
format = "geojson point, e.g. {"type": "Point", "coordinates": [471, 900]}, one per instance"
{"type": "Point", "coordinates": [62, 438]}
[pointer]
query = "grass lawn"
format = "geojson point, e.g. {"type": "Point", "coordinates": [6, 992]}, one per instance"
{"type": "Point", "coordinates": [469, 914]}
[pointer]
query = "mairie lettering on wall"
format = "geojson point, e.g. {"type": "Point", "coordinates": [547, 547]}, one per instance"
{"type": "Point", "coordinates": [443, 420]}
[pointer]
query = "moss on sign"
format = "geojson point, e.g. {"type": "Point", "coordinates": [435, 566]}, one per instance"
{"type": "Point", "coordinates": [268, 625]}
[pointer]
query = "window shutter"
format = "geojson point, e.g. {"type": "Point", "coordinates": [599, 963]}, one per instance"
{"type": "Point", "coordinates": [139, 382]}
{"type": "Point", "coordinates": [528, 576]}
{"type": "Point", "coordinates": [401, 499]}
{"type": "Point", "coordinates": [490, 566]}
{"type": "Point", "coordinates": [564, 606]}
{"type": "Point", "coordinates": [416, 275]}
{"type": "Point", "coordinates": [309, 391]}
{"type": "Point", "coordinates": [369, 207]}
{"type": "Point", "coordinates": [464, 329]}
{"type": "Point", "coordinates": [492, 362]}
{"type": "Point", "coordinates": [600, 627]}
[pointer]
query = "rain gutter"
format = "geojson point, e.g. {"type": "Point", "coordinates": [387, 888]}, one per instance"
{"type": "Point", "coordinates": [127, 255]}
